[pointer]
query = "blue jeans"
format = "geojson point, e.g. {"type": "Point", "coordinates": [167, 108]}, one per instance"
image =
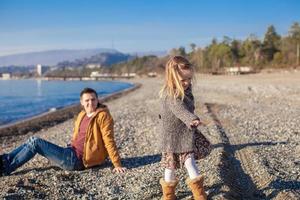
{"type": "Point", "coordinates": [65, 158]}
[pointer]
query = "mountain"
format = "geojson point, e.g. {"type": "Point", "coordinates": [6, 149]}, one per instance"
{"type": "Point", "coordinates": [104, 59]}
{"type": "Point", "coordinates": [51, 57]}
{"type": "Point", "coordinates": [149, 53]}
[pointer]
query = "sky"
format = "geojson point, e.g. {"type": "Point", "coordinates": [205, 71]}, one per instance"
{"type": "Point", "coordinates": [136, 25]}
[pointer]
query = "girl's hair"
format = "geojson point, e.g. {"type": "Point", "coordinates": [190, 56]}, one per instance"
{"type": "Point", "coordinates": [172, 86]}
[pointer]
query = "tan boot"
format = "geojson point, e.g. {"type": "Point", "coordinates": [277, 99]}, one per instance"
{"type": "Point", "coordinates": [196, 185]}
{"type": "Point", "coordinates": [168, 189]}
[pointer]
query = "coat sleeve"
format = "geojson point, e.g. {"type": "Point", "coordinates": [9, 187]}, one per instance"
{"type": "Point", "coordinates": [178, 108]}
{"type": "Point", "coordinates": [107, 130]}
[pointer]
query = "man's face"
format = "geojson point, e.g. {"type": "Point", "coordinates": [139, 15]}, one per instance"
{"type": "Point", "coordinates": [89, 102]}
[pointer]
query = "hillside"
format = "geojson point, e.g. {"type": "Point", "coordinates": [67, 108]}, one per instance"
{"type": "Point", "coordinates": [51, 57]}
{"type": "Point", "coordinates": [104, 59]}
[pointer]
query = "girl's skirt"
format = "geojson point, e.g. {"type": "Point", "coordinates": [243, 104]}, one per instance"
{"type": "Point", "coordinates": [201, 149]}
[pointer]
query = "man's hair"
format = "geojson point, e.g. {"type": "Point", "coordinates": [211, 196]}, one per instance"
{"type": "Point", "coordinates": [89, 91]}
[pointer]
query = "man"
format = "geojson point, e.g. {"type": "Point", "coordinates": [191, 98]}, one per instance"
{"type": "Point", "coordinates": [92, 142]}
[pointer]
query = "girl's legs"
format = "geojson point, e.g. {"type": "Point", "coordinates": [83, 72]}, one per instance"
{"type": "Point", "coordinates": [172, 161]}
{"type": "Point", "coordinates": [190, 165]}
{"type": "Point", "coordinates": [169, 181]}
{"type": "Point", "coordinates": [169, 175]}
{"type": "Point", "coordinates": [168, 184]}
{"type": "Point", "coordinates": [195, 181]}
{"type": "Point", "coordinates": [192, 169]}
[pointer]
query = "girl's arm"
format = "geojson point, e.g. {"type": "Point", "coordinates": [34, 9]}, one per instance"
{"type": "Point", "coordinates": [179, 110]}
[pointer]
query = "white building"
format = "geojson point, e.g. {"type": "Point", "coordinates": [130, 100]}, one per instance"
{"type": "Point", "coordinates": [93, 66]}
{"type": "Point", "coordinates": [6, 76]}
{"type": "Point", "coordinates": [239, 70]}
{"type": "Point", "coordinates": [40, 69]}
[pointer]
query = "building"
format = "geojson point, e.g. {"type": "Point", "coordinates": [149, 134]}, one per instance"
{"type": "Point", "coordinates": [93, 66]}
{"type": "Point", "coordinates": [152, 74]}
{"type": "Point", "coordinates": [239, 70]}
{"type": "Point", "coordinates": [6, 76]}
{"type": "Point", "coordinates": [40, 69]}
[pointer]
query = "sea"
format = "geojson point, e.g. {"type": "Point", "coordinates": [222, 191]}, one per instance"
{"type": "Point", "coordinates": [21, 99]}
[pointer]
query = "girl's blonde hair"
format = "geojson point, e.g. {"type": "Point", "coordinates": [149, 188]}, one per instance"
{"type": "Point", "coordinates": [172, 86]}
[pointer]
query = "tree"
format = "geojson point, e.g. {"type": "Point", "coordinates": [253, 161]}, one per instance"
{"type": "Point", "coordinates": [271, 43]}
{"type": "Point", "coordinates": [214, 41]}
{"type": "Point", "coordinates": [182, 51]}
{"type": "Point", "coordinates": [235, 48]}
{"type": "Point", "coordinates": [235, 51]}
{"type": "Point", "coordinates": [278, 58]}
{"type": "Point", "coordinates": [227, 40]}
{"type": "Point", "coordinates": [197, 58]}
{"type": "Point", "coordinates": [179, 52]}
{"type": "Point", "coordinates": [250, 51]}
{"type": "Point", "coordinates": [294, 33]}
{"type": "Point", "coordinates": [219, 55]}
{"type": "Point", "coordinates": [193, 47]}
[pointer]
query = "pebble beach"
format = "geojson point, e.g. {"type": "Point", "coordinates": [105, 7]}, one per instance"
{"type": "Point", "coordinates": [252, 123]}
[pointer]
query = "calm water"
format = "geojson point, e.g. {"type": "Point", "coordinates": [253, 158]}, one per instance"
{"type": "Point", "coordinates": [20, 99]}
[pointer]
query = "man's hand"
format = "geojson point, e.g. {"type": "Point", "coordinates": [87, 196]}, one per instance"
{"type": "Point", "coordinates": [119, 169]}
{"type": "Point", "coordinates": [195, 123]}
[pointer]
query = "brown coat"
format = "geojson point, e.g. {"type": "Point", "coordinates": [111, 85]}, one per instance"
{"type": "Point", "coordinates": [177, 135]}
{"type": "Point", "coordinates": [99, 140]}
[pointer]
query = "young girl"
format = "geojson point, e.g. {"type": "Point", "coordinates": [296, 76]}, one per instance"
{"type": "Point", "coordinates": [178, 123]}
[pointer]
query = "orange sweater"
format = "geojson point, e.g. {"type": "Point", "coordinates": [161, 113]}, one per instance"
{"type": "Point", "coordinates": [99, 140]}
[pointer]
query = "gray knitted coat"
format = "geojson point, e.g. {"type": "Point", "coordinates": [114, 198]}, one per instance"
{"type": "Point", "coordinates": [176, 116]}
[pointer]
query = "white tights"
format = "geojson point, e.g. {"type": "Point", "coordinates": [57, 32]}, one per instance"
{"type": "Point", "coordinates": [191, 167]}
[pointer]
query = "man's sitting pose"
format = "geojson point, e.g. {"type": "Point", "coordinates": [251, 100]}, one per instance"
{"type": "Point", "coordinates": [92, 142]}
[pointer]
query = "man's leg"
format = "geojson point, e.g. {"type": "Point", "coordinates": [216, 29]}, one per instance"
{"type": "Point", "coordinates": [63, 157]}
{"type": "Point", "coordinates": [12, 154]}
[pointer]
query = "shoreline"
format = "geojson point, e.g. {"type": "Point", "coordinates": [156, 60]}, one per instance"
{"type": "Point", "coordinates": [52, 118]}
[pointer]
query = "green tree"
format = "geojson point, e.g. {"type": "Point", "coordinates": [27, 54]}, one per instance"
{"type": "Point", "coordinates": [251, 50]}
{"type": "Point", "coordinates": [294, 33]}
{"type": "Point", "coordinates": [227, 40]}
{"type": "Point", "coordinates": [193, 47]}
{"type": "Point", "coordinates": [271, 43]}
{"type": "Point", "coordinates": [197, 59]}
{"type": "Point", "coordinates": [219, 55]}
{"type": "Point", "coordinates": [180, 51]}
{"type": "Point", "coordinates": [236, 51]}
{"type": "Point", "coordinates": [278, 58]}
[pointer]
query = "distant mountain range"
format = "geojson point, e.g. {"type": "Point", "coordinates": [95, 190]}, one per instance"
{"type": "Point", "coordinates": [148, 53]}
{"type": "Point", "coordinates": [53, 57]}
{"type": "Point", "coordinates": [104, 59]}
